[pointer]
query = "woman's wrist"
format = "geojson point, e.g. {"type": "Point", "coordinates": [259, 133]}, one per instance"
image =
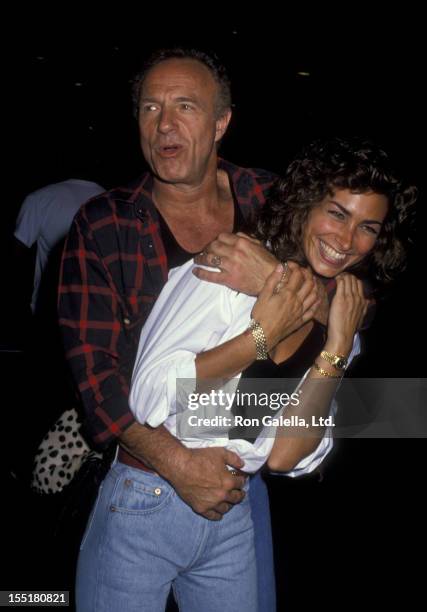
{"type": "Point", "coordinates": [338, 346]}
{"type": "Point", "coordinates": [259, 339]}
{"type": "Point", "coordinates": [270, 337]}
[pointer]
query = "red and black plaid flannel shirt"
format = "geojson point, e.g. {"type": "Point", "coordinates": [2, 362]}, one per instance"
{"type": "Point", "coordinates": [113, 268]}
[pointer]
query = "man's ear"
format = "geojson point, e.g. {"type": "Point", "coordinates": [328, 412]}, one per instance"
{"type": "Point", "coordinates": [222, 125]}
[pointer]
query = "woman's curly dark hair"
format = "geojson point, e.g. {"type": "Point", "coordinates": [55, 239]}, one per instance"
{"type": "Point", "coordinates": [322, 167]}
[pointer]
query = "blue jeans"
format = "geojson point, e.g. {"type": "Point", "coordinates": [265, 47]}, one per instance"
{"type": "Point", "coordinates": [260, 508]}
{"type": "Point", "coordinates": [141, 538]}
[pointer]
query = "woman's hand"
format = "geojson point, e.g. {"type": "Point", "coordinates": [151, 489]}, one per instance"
{"type": "Point", "coordinates": [288, 300]}
{"type": "Point", "coordinates": [322, 311]}
{"type": "Point", "coordinates": [347, 311]}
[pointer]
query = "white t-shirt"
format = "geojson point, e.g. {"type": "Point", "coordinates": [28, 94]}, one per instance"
{"type": "Point", "coordinates": [189, 317]}
{"type": "Point", "coordinates": [46, 216]}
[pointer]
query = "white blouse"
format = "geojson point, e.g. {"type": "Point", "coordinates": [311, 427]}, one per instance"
{"type": "Point", "coordinates": [191, 316]}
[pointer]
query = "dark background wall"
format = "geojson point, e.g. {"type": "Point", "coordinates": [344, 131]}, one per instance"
{"type": "Point", "coordinates": [353, 535]}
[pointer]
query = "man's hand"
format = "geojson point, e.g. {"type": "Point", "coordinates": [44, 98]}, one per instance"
{"type": "Point", "coordinates": [203, 481]}
{"type": "Point", "coordinates": [244, 263]}
{"type": "Point", "coordinates": [199, 476]}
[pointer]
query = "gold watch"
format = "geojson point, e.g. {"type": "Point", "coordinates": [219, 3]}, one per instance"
{"type": "Point", "coordinates": [339, 362]}
{"type": "Point", "coordinates": [259, 339]}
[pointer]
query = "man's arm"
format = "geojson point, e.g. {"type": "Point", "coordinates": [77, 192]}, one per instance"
{"type": "Point", "coordinates": [245, 266]}
{"type": "Point", "coordinates": [89, 312]}
{"type": "Point", "coordinates": [177, 344]}
{"type": "Point", "coordinates": [200, 476]}
{"type": "Point", "coordinates": [90, 320]}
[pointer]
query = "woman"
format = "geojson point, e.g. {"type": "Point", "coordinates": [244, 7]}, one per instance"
{"type": "Point", "coordinates": [339, 209]}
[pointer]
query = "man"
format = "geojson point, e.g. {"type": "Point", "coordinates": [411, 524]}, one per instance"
{"type": "Point", "coordinates": [115, 264]}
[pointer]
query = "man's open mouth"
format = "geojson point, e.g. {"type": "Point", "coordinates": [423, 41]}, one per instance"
{"type": "Point", "coordinates": [169, 150]}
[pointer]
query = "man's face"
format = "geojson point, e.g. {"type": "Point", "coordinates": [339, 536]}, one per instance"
{"type": "Point", "coordinates": [342, 229]}
{"type": "Point", "coordinates": [178, 123]}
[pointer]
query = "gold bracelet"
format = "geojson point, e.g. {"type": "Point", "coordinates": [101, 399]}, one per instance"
{"type": "Point", "coordinates": [324, 372]}
{"type": "Point", "coordinates": [259, 339]}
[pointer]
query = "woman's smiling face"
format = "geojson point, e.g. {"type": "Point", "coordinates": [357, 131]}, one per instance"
{"type": "Point", "coordinates": [342, 229]}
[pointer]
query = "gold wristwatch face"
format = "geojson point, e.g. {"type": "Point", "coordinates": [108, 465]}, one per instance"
{"type": "Point", "coordinates": [340, 363]}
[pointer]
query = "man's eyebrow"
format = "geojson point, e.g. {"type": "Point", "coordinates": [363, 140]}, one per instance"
{"type": "Point", "coordinates": [346, 212]}
{"type": "Point", "coordinates": [178, 99]}
{"type": "Point", "coordinates": [187, 99]}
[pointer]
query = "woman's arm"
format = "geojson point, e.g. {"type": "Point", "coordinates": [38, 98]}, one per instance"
{"type": "Point", "coordinates": [197, 330]}
{"type": "Point", "coordinates": [317, 390]}
{"type": "Point", "coordinates": [278, 312]}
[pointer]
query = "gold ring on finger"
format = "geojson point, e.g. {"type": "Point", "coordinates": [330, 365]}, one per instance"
{"type": "Point", "coordinates": [278, 287]}
{"type": "Point", "coordinates": [216, 261]}
{"type": "Point", "coordinates": [285, 271]}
